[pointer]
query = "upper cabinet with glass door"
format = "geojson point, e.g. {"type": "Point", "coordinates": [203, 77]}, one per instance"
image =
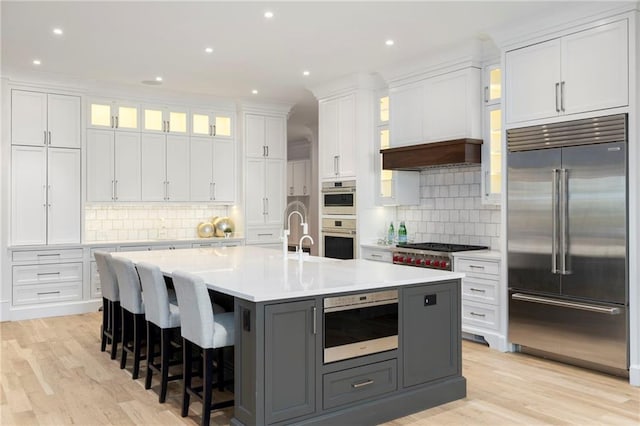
{"type": "Point", "coordinates": [211, 124]}
{"type": "Point", "coordinates": [112, 114]}
{"type": "Point", "coordinates": [492, 146]}
{"type": "Point", "coordinates": [159, 119]}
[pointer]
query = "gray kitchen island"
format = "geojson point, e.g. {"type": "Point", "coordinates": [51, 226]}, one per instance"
{"type": "Point", "coordinates": [320, 341]}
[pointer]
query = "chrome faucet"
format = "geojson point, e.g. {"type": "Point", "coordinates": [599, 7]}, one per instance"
{"type": "Point", "coordinates": [300, 244]}
{"type": "Point", "coordinates": [298, 205]}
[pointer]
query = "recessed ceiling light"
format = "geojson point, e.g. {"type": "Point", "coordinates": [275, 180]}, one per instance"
{"type": "Point", "coordinates": [36, 62]}
{"type": "Point", "coordinates": [268, 14]}
{"type": "Point", "coordinates": [57, 31]}
{"type": "Point", "coordinates": [305, 73]}
{"type": "Point", "coordinates": [389, 42]}
{"type": "Point", "coordinates": [158, 78]}
{"type": "Point", "coordinates": [208, 50]}
{"type": "Point", "coordinates": [254, 91]}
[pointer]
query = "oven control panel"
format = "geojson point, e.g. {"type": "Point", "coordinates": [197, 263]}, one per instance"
{"type": "Point", "coordinates": [361, 299]}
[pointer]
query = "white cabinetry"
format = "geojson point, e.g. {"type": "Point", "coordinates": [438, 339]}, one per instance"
{"type": "Point", "coordinates": [39, 119]}
{"type": "Point", "coordinates": [581, 72]}
{"type": "Point", "coordinates": [483, 298]}
{"type": "Point", "coordinates": [378, 254]}
{"type": "Point", "coordinates": [212, 170]}
{"type": "Point", "coordinates": [45, 168]}
{"type": "Point", "coordinates": [114, 114]}
{"type": "Point", "coordinates": [298, 177]}
{"type": "Point", "coordinates": [438, 108]}
{"type": "Point", "coordinates": [164, 167]}
{"type": "Point", "coordinates": [337, 136]}
{"type": "Point", "coordinates": [162, 119]}
{"type": "Point", "coordinates": [265, 168]}
{"type": "Point", "coordinates": [47, 276]}
{"type": "Point", "coordinates": [492, 146]}
{"type": "Point", "coordinates": [113, 165]}
{"type": "Point", "coordinates": [212, 124]}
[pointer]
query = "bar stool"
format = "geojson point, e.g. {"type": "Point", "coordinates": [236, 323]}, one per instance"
{"type": "Point", "coordinates": [133, 322]}
{"type": "Point", "coordinates": [210, 333]}
{"type": "Point", "coordinates": [111, 310]}
{"type": "Point", "coordinates": [163, 318]}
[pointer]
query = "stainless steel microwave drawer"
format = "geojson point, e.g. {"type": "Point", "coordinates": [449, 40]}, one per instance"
{"type": "Point", "coordinates": [355, 384]}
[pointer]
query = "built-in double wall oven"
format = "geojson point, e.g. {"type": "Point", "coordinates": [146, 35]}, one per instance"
{"type": "Point", "coordinates": [339, 237]}
{"type": "Point", "coordinates": [360, 324]}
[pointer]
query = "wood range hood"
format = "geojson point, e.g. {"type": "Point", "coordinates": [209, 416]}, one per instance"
{"type": "Point", "coordinates": [446, 153]}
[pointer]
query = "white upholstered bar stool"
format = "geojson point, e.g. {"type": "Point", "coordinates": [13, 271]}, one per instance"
{"type": "Point", "coordinates": [133, 320]}
{"type": "Point", "coordinates": [163, 319]}
{"type": "Point", "coordinates": [111, 311]}
{"type": "Point", "coordinates": [202, 329]}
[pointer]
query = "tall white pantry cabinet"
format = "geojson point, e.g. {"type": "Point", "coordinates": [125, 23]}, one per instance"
{"type": "Point", "coordinates": [45, 170]}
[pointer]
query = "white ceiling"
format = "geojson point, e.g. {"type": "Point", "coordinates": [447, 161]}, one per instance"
{"type": "Point", "coordinates": [128, 42]}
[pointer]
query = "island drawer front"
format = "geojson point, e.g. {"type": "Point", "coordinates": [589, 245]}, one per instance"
{"type": "Point", "coordinates": [47, 293]}
{"type": "Point", "coordinates": [480, 315]}
{"type": "Point", "coordinates": [263, 235]}
{"type": "Point", "coordinates": [47, 256]}
{"type": "Point", "coordinates": [53, 273]}
{"type": "Point", "coordinates": [476, 266]}
{"type": "Point", "coordinates": [480, 290]}
{"type": "Point", "coordinates": [377, 255]}
{"type": "Point", "coordinates": [347, 386]}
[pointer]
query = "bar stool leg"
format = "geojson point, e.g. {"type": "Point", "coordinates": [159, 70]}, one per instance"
{"type": "Point", "coordinates": [150, 354]}
{"type": "Point", "coordinates": [207, 385]}
{"type": "Point", "coordinates": [220, 356]}
{"type": "Point", "coordinates": [115, 328]}
{"type": "Point", "coordinates": [186, 374]}
{"type": "Point", "coordinates": [105, 324]}
{"type": "Point", "coordinates": [165, 358]}
{"type": "Point", "coordinates": [137, 339]}
{"type": "Point", "coordinates": [126, 336]}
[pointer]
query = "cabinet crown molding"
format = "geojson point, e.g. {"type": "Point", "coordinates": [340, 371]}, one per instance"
{"type": "Point", "coordinates": [265, 108]}
{"type": "Point", "coordinates": [346, 85]}
{"type": "Point", "coordinates": [453, 58]}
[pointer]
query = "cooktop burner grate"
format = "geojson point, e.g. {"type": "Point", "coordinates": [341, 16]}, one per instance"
{"type": "Point", "coordinates": [441, 247]}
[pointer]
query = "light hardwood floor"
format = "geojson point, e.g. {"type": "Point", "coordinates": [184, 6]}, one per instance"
{"type": "Point", "coordinates": [53, 373]}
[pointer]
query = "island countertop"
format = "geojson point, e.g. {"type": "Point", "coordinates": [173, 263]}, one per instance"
{"type": "Point", "coordinates": [258, 275]}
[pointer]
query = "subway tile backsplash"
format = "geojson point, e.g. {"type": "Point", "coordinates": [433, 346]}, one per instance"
{"type": "Point", "coordinates": [451, 209]}
{"type": "Point", "coordinates": [135, 222]}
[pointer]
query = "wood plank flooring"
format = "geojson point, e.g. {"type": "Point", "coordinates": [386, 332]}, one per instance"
{"type": "Point", "coordinates": [53, 373]}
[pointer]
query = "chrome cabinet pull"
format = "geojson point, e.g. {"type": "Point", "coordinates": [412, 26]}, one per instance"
{"type": "Point", "coordinates": [554, 221]}
{"type": "Point", "coordinates": [362, 384]}
{"type": "Point", "coordinates": [167, 190]}
{"type": "Point", "coordinates": [564, 304]}
{"type": "Point", "coordinates": [477, 315]}
{"type": "Point", "coordinates": [486, 94]}
{"type": "Point", "coordinates": [45, 137]}
{"type": "Point", "coordinates": [214, 191]}
{"type": "Point", "coordinates": [111, 125]}
{"type": "Point", "coordinates": [486, 183]}
{"type": "Point", "coordinates": [264, 151]}
{"type": "Point", "coordinates": [168, 126]}
{"type": "Point", "coordinates": [266, 210]}
{"type": "Point", "coordinates": [478, 290]}
{"type": "Point", "coordinates": [115, 190]}
{"type": "Point", "coordinates": [48, 273]}
{"type": "Point", "coordinates": [314, 320]}
{"type": "Point", "coordinates": [211, 190]}
{"type": "Point", "coordinates": [43, 293]}
{"type": "Point", "coordinates": [49, 133]}
{"type": "Point", "coordinates": [304, 189]}
{"type": "Point", "coordinates": [44, 197]}
{"type": "Point", "coordinates": [335, 164]}
{"type": "Point", "coordinates": [267, 150]}
{"type": "Point", "coordinates": [264, 206]}
{"type": "Point", "coordinates": [562, 96]}
{"type": "Point", "coordinates": [117, 121]}
{"type": "Point", "coordinates": [210, 130]}
{"type": "Point", "coordinates": [338, 162]}
{"type": "Point", "coordinates": [476, 267]}
{"type": "Point", "coordinates": [557, 107]}
{"type": "Point", "coordinates": [214, 130]}
{"type": "Point", "coordinates": [265, 235]}
{"type": "Point", "coordinates": [48, 254]}
{"type": "Point", "coordinates": [49, 196]}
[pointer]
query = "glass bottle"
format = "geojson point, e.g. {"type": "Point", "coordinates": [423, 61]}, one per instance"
{"type": "Point", "coordinates": [402, 233]}
{"type": "Point", "coordinates": [391, 233]}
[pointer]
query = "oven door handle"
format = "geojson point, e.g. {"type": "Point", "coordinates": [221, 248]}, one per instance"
{"type": "Point", "coordinates": [359, 306]}
{"type": "Point", "coordinates": [343, 189]}
{"type": "Point", "coordinates": [339, 233]}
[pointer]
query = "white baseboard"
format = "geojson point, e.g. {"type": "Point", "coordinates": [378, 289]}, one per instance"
{"type": "Point", "coordinates": [54, 310]}
{"type": "Point", "coordinates": [634, 375]}
{"type": "Point", "coordinates": [5, 306]}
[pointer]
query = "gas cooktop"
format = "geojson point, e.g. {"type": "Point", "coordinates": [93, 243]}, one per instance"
{"type": "Point", "coordinates": [441, 247]}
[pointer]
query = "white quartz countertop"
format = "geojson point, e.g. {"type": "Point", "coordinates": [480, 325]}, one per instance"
{"type": "Point", "coordinates": [259, 274]}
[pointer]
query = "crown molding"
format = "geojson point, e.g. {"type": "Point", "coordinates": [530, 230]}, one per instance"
{"type": "Point", "coordinates": [346, 85]}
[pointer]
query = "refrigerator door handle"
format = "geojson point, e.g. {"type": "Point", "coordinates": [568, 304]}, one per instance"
{"type": "Point", "coordinates": [564, 304]}
{"type": "Point", "coordinates": [554, 221]}
{"type": "Point", "coordinates": [564, 219]}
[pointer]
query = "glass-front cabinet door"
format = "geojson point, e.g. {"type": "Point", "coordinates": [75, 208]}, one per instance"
{"type": "Point", "coordinates": [493, 139]}
{"type": "Point", "coordinates": [165, 120]}
{"type": "Point", "coordinates": [107, 114]}
{"type": "Point", "coordinates": [212, 124]}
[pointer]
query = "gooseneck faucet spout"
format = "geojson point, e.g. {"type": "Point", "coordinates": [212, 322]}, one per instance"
{"type": "Point", "coordinates": [286, 231]}
{"type": "Point", "coordinates": [300, 244]}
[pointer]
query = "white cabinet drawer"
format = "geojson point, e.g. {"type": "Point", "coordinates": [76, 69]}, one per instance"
{"type": "Point", "coordinates": [47, 293]}
{"type": "Point", "coordinates": [480, 290]}
{"type": "Point", "coordinates": [47, 256]}
{"type": "Point", "coordinates": [134, 248]}
{"type": "Point", "coordinates": [474, 266]}
{"type": "Point", "coordinates": [377, 255]}
{"type": "Point", "coordinates": [263, 235]}
{"type": "Point", "coordinates": [40, 274]}
{"type": "Point", "coordinates": [480, 315]}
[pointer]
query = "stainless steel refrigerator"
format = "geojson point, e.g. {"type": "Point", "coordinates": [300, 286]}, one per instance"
{"type": "Point", "coordinates": [567, 241]}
